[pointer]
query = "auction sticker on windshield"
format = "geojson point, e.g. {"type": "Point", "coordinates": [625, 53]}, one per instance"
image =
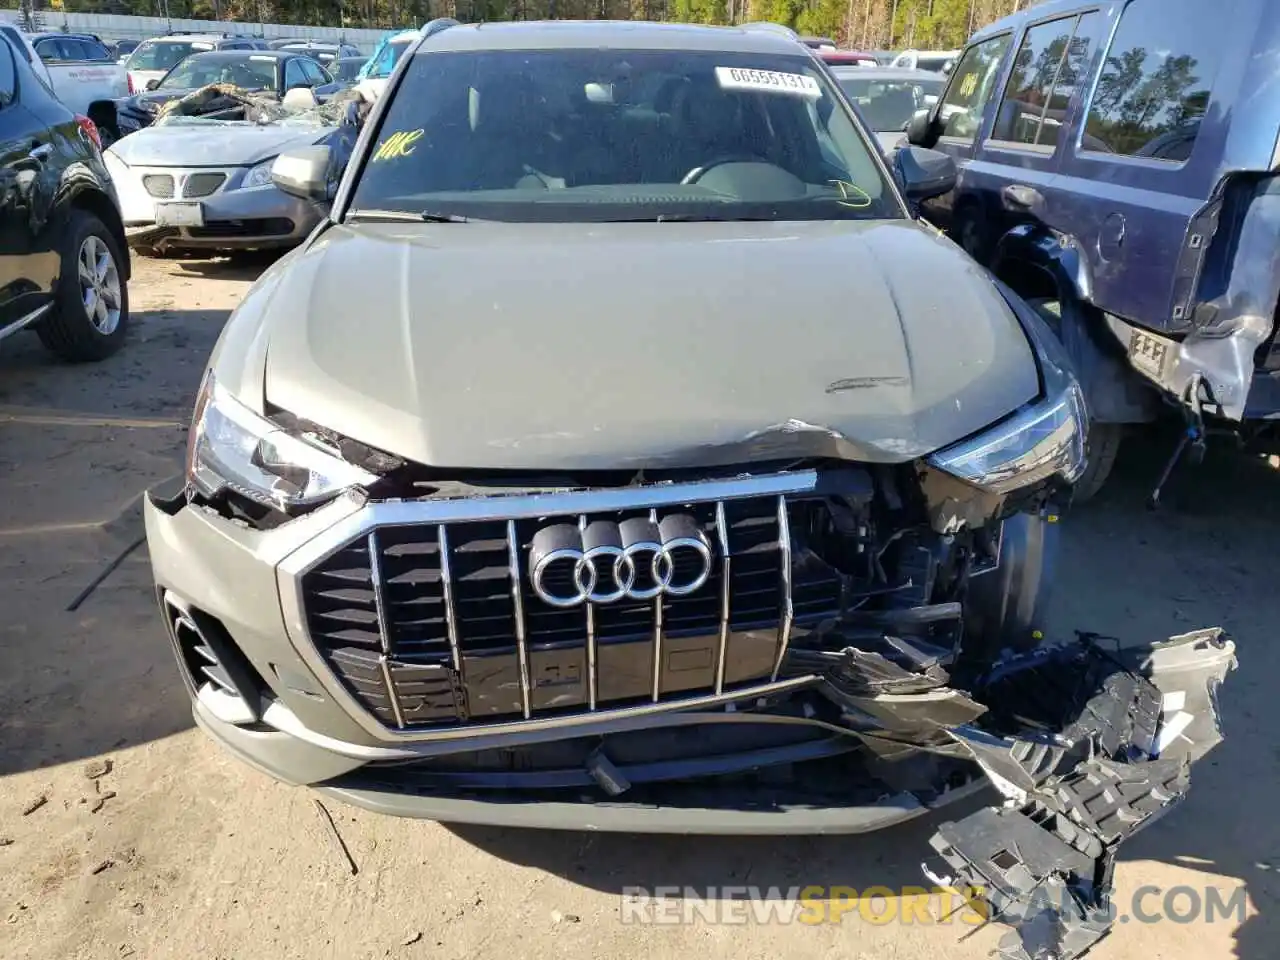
{"type": "Point", "coordinates": [768, 81]}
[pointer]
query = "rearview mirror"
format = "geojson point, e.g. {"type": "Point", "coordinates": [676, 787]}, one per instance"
{"type": "Point", "coordinates": [925, 173]}
{"type": "Point", "coordinates": [302, 172]}
{"type": "Point", "coordinates": [917, 128]}
{"type": "Point", "coordinates": [153, 83]}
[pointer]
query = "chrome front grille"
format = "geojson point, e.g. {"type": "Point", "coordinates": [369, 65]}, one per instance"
{"type": "Point", "coordinates": [435, 621]}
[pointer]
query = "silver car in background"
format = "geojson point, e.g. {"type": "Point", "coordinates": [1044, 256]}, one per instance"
{"type": "Point", "coordinates": [887, 97]}
{"type": "Point", "coordinates": [191, 183]}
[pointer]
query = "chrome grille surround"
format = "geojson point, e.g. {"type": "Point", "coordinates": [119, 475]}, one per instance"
{"type": "Point", "coordinates": [374, 689]}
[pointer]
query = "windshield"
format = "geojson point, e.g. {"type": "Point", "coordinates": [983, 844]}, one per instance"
{"type": "Point", "coordinates": [887, 105]}
{"type": "Point", "coordinates": [593, 135]}
{"type": "Point", "coordinates": [156, 55]}
{"type": "Point", "coordinates": [389, 57]}
{"type": "Point", "coordinates": [251, 73]}
{"type": "Point", "coordinates": [346, 68]}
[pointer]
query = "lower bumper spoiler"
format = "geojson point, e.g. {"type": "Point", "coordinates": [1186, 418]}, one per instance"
{"type": "Point", "coordinates": [1042, 863]}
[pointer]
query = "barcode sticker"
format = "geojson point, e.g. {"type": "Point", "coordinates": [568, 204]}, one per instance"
{"type": "Point", "coordinates": [767, 81]}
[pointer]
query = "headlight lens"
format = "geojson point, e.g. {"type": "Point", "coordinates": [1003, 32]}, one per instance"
{"type": "Point", "coordinates": [258, 176]}
{"type": "Point", "coordinates": [232, 448]}
{"type": "Point", "coordinates": [1038, 441]}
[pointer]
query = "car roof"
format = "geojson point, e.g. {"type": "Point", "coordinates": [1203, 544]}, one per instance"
{"type": "Point", "coordinates": [1037, 11]}
{"type": "Point", "coordinates": [240, 54]}
{"type": "Point", "coordinates": [887, 73]}
{"type": "Point", "coordinates": [45, 35]}
{"type": "Point", "coordinates": [618, 34]}
{"type": "Point", "coordinates": [184, 37]}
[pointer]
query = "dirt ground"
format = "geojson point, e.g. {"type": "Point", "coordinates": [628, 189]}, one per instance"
{"type": "Point", "coordinates": [179, 851]}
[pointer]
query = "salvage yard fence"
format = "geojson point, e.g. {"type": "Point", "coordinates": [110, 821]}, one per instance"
{"type": "Point", "coordinates": [117, 27]}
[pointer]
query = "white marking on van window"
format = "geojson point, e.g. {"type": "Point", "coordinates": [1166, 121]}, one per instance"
{"type": "Point", "coordinates": [767, 81]}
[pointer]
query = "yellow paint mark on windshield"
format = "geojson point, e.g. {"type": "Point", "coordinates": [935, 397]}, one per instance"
{"type": "Point", "coordinates": [852, 195]}
{"type": "Point", "coordinates": [399, 144]}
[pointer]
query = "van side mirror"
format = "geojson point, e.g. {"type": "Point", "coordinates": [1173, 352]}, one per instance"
{"type": "Point", "coordinates": [153, 83]}
{"type": "Point", "coordinates": [918, 128]}
{"type": "Point", "coordinates": [924, 173]}
{"type": "Point", "coordinates": [302, 173]}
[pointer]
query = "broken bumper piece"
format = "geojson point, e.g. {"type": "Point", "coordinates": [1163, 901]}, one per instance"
{"type": "Point", "coordinates": [1098, 747]}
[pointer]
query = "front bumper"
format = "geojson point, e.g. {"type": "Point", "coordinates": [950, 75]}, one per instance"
{"type": "Point", "coordinates": [234, 218]}
{"type": "Point", "coordinates": [1086, 747]}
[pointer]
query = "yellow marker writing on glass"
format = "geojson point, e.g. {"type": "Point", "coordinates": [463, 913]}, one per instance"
{"type": "Point", "coordinates": [852, 195]}
{"type": "Point", "coordinates": [399, 144]}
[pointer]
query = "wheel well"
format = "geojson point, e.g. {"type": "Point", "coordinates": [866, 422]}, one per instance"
{"type": "Point", "coordinates": [1028, 280]}
{"type": "Point", "coordinates": [100, 205]}
{"type": "Point", "coordinates": [102, 113]}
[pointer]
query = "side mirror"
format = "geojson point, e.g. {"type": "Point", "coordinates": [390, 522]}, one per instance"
{"type": "Point", "coordinates": [153, 83]}
{"type": "Point", "coordinates": [302, 173]}
{"type": "Point", "coordinates": [917, 128]}
{"type": "Point", "coordinates": [925, 173]}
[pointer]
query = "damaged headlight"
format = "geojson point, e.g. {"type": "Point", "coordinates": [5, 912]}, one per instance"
{"type": "Point", "coordinates": [1041, 440]}
{"type": "Point", "coordinates": [232, 448]}
{"type": "Point", "coordinates": [259, 175]}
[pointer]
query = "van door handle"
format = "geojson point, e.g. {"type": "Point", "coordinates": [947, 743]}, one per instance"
{"type": "Point", "coordinates": [1019, 196]}
{"type": "Point", "coordinates": [41, 152]}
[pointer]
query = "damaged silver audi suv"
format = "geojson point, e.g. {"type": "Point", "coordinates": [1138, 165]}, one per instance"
{"type": "Point", "coordinates": [621, 453]}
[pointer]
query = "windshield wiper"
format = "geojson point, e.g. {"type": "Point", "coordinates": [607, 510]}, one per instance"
{"type": "Point", "coordinates": [405, 216]}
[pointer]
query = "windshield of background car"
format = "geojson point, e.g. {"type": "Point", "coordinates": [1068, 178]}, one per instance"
{"type": "Point", "coordinates": [153, 55]}
{"type": "Point", "coordinates": [251, 73]}
{"type": "Point", "coordinates": [594, 135]}
{"type": "Point", "coordinates": [887, 105]}
{"type": "Point", "coordinates": [389, 57]}
{"type": "Point", "coordinates": [346, 68]}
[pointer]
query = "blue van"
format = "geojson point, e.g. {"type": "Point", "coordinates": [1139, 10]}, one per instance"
{"type": "Point", "coordinates": [1118, 167]}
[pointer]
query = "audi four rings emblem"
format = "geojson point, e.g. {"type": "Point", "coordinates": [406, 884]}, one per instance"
{"type": "Point", "coordinates": [603, 561]}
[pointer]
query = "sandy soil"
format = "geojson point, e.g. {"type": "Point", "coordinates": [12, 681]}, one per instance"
{"type": "Point", "coordinates": [178, 851]}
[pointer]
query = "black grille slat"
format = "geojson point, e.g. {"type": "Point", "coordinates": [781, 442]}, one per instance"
{"type": "Point", "coordinates": [487, 649]}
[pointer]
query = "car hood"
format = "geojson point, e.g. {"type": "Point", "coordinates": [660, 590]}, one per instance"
{"type": "Point", "coordinates": [209, 143]}
{"type": "Point", "coordinates": [621, 346]}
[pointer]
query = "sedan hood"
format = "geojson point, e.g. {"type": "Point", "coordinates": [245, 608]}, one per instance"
{"type": "Point", "coordinates": [622, 346]}
{"type": "Point", "coordinates": [208, 143]}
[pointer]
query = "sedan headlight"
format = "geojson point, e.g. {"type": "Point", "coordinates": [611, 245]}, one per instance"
{"type": "Point", "coordinates": [259, 175]}
{"type": "Point", "coordinates": [232, 448]}
{"type": "Point", "coordinates": [1042, 439]}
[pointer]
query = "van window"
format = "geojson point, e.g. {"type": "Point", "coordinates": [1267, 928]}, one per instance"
{"type": "Point", "coordinates": [8, 75]}
{"type": "Point", "coordinates": [1156, 81]}
{"type": "Point", "coordinates": [1051, 64]}
{"type": "Point", "coordinates": [972, 84]}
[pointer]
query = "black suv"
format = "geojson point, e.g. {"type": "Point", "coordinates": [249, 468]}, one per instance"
{"type": "Point", "coordinates": [64, 266]}
{"type": "Point", "coordinates": [1117, 167]}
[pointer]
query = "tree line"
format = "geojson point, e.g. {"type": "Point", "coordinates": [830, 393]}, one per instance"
{"type": "Point", "coordinates": [856, 24]}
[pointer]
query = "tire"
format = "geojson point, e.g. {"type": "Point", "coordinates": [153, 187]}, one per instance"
{"type": "Point", "coordinates": [1006, 608]}
{"type": "Point", "coordinates": [90, 256]}
{"type": "Point", "coordinates": [1103, 445]}
{"type": "Point", "coordinates": [1100, 453]}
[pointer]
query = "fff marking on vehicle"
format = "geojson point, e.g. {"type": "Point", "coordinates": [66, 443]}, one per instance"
{"type": "Point", "coordinates": [399, 144]}
{"type": "Point", "coordinates": [768, 81]}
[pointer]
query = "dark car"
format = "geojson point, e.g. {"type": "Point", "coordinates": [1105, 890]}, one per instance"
{"type": "Point", "coordinates": [122, 48]}
{"type": "Point", "coordinates": [347, 69]}
{"type": "Point", "coordinates": [64, 266]}
{"type": "Point", "coordinates": [272, 71]}
{"type": "Point", "coordinates": [1118, 167]}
